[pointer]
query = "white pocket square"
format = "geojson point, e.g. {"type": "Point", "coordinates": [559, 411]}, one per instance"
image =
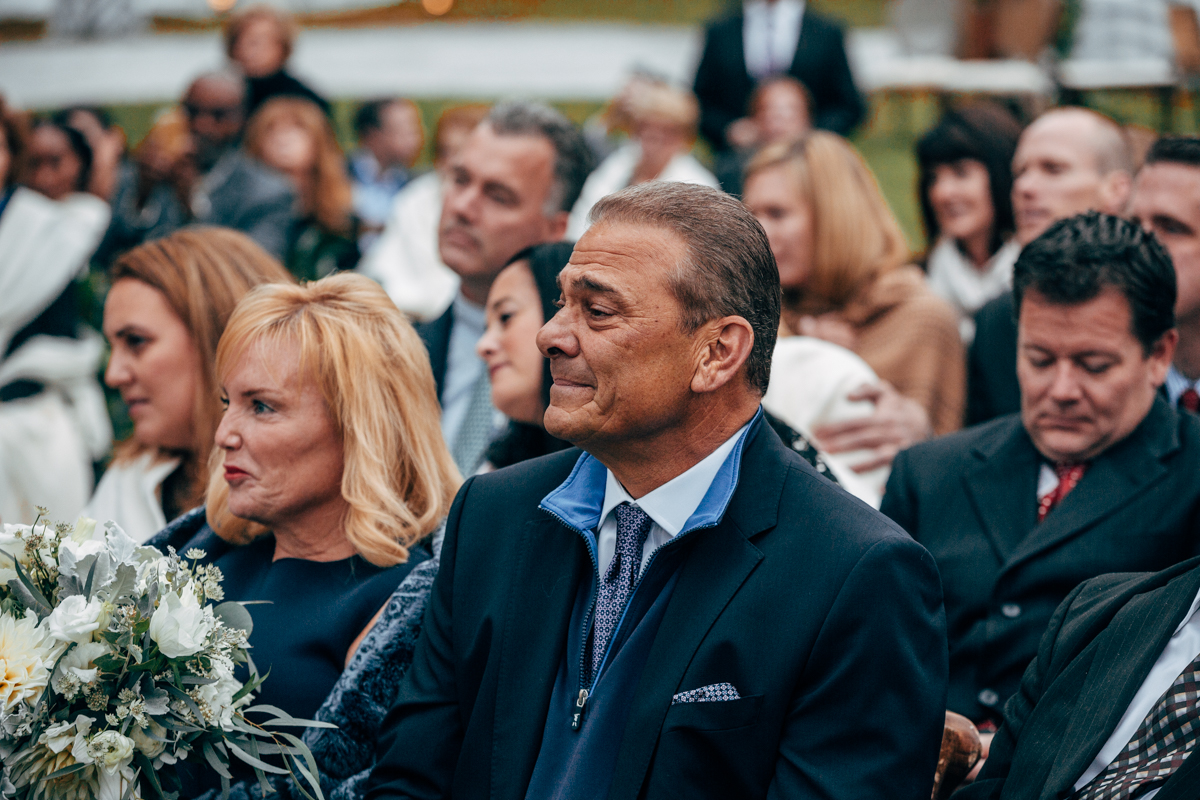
{"type": "Point", "coordinates": [713, 693]}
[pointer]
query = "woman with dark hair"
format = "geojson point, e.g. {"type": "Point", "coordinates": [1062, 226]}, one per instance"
{"type": "Point", "coordinates": [59, 160]}
{"type": "Point", "coordinates": [966, 201]}
{"type": "Point", "coordinates": [521, 301]}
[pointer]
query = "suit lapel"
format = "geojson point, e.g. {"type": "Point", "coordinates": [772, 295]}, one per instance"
{"type": "Point", "coordinates": [534, 637]}
{"type": "Point", "coordinates": [436, 337]}
{"type": "Point", "coordinates": [719, 563]}
{"type": "Point", "coordinates": [1125, 653]}
{"type": "Point", "coordinates": [1112, 479]}
{"type": "Point", "coordinates": [1003, 488]}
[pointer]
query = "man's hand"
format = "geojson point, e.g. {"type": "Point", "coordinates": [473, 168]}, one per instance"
{"type": "Point", "coordinates": [898, 422]}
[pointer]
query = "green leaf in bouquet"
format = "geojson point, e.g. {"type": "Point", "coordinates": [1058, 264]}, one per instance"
{"type": "Point", "coordinates": [25, 590]}
{"type": "Point", "coordinates": [173, 723]}
{"type": "Point", "coordinates": [124, 584]}
{"type": "Point", "coordinates": [254, 762]}
{"type": "Point", "coordinates": [235, 615]}
{"type": "Point", "coordinates": [196, 680]}
{"type": "Point", "coordinates": [60, 773]}
{"type": "Point", "coordinates": [215, 762]}
{"type": "Point", "coordinates": [187, 701]}
{"type": "Point", "coordinates": [311, 773]}
{"type": "Point", "coordinates": [152, 777]}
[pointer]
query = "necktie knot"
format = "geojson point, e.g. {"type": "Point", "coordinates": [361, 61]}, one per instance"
{"type": "Point", "coordinates": [1069, 474]}
{"type": "Point", "coordinates": [1190, 400]}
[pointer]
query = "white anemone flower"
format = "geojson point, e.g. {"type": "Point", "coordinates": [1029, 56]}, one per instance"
{"type": "Point", "coordinates": [27, 654]}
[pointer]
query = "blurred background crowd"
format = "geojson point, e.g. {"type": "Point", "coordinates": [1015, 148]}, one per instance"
{"type": "Point", "coordinates": [160, 159]}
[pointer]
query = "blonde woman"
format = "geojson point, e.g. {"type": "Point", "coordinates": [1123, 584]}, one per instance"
{"type": "Point", "coordinates": [845, 272]}
{"type": "Point", "coordinates": [329, 477]}
{"type": "Point", "coordinates": [165, 313]}
{"type": "Point", "coordinates": [293, 136]}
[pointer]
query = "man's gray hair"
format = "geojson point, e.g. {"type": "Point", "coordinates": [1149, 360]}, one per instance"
{"type": "Point", "coordinates": [729, 270]}
{"type": "Point", "coordinates": [572, 159]}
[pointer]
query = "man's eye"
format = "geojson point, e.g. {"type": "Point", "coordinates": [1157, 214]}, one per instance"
{"type": "Point", "coordinates": [598, 313]}
{"type": "Point", "coordinates": [1040, 362]}
{"type": "Point", "coordinates": [1095, 367]}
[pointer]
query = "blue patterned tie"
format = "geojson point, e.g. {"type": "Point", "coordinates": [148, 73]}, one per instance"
{"type": "Point", "coordinates": [633, 526]}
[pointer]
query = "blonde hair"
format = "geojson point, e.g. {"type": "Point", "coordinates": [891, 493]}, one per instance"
{"type": "Point", "coordinates": [375, 378]}
{"type": "Point", "coordinates": [331, 191]}
{"type": "Point", "coordinates": [856, 237]}
{"type": "Point", "coordinates": [202, 272]}
{"type": "Point", "coordinates": [660, 101]}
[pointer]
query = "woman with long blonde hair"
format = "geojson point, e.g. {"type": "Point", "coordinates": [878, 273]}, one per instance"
{"type": "Point", "coordinates": [292, 135]}
{"type": "Point", "coordinates": [165, 313]}
{"type": "Point", "coordinates": [329, 478]}
{"type": "Point", "coordinates": [846, 275]}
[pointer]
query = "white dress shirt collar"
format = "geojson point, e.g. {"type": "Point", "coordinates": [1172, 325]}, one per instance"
{"type": "Point", "coordinates": [1177, 384]}
{"type": "Point", "coordinates": [770, 34]}
{"type": "Point", "coordinates": [669, 506]}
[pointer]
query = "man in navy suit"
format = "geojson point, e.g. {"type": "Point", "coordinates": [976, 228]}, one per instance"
{"type": "Point", "coordinates": [511, 186]}
{"type": "Point", "coordinates": [685, 608]}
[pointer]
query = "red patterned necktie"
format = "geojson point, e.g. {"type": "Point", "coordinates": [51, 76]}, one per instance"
{"type": "Point", "coordinates": [1190, 400]}
{"type": "Point", "coordinates": [1068, 476]}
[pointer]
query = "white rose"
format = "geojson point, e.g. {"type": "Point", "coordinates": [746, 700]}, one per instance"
{"type": "Point", "coordinates": [218, 696]}
{"type": "Point", "coordinates": [85, 529]}
{"type": "Point", "coordinates": [111, 750]}
{"type": "Point", "coordinates": [82, 550]}
{"type": "Point", "coordinates": [78, 665]}
{"type": "Point", "coordinates": [180, 625]}
{"type": "Point", "coordinates": [75, 619]}
{"type": "Point", "coordinates": [147, 746]}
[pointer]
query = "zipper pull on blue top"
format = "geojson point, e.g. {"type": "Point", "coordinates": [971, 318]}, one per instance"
{"type": "Point", "coordinates": [580, 703]}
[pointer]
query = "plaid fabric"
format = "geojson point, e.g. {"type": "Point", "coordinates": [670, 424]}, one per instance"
{"type": "Point", "coordinates": [1159, 746]}
{"type": "Point", "coordinates": [714, 692]}
{"type": "Point", "coordinates": [633, 526]}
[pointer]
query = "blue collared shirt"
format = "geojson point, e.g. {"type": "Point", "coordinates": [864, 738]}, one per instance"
{"type": "Point", "coordinates": [695, 499]}
{"type": "Point", "coordinates": [374, 188]}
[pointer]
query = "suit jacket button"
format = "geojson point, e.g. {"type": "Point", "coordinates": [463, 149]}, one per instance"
{"type": "Point", "coordinates": [1010, 610]}
{"type": "Point", "coordinates": [989, 697]}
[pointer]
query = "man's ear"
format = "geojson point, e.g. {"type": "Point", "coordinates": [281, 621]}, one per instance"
{"type": "Point", "coordinates": [557, 226]}
{"type": "Point", "coordinates": [1116, 188]}
{"type": "Point", "coordinates": [725, 346]}
{"type": "Point", "coordinates": [1161, 356]}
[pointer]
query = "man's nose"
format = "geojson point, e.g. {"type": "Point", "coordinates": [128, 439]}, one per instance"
{"type": "Point", "coordinates": [1065, 387]}
{"type": "Point", "coordinates": [555, 337]}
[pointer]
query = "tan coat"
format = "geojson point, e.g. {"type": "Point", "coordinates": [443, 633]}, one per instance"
{"type": "Point", "coordinates": [909, 336]}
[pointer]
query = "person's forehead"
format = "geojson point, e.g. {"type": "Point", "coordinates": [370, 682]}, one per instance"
{"type": "Point", "coordinates": [1101, 323]}
{"type": "Point", "coordinates": [1063, 138]}
{"type": "Point", "coordinates": [214, 91]}
{"type": "Point", "coordinates": [1169, 184]}
{"type": "Point", "coordinates": [624, 256]}
{"type": "Point", "coordinates": [487, 151]}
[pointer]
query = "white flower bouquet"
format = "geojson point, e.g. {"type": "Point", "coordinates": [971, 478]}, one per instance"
{"type": "Point", "coordinates": [114, 663]}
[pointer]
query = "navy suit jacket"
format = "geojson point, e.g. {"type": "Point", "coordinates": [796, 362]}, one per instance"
{"type": "Point", "coordinates": [435, 335]}
{"type": "Point", "coordinates": [723, 86]}
{"type": "Point", "coordinates": [825, 616]}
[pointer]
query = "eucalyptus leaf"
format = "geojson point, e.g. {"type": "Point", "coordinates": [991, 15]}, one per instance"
{"type": "Point", "coordinates": [210, 756]}
{"type": "Point", "coordinates": [254, 762]}
{"type": "Point", "coordinates": [235, 615]}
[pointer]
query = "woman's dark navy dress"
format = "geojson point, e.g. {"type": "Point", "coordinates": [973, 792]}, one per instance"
{"type": "Point", "coordinates": [306, 613]}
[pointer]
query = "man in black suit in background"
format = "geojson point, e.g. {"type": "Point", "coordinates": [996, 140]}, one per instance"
{"type": "Point", "coordinates": [685, 609]}
{"type": "Point", "coordinates": [511, 186]}
{"type": "Point", "coordinates": [1096, 473]}
{"type": "Point", "coordinates": [773, 37]}
{"type": "Point", "coordinates": [1115, 672]}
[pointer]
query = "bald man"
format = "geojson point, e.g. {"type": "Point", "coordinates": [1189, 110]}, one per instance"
{"type": "Point", "coordinates": [216, 183]}
{"type": "Point", "coordinates": [1068, 161]}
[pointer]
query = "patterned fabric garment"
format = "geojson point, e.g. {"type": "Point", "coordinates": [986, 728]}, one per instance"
{"type": "Point", "coordinates": [713, 693]}
{"type": "Point", "coordinates": [1190, 400]}
{"type": "Point", "coordinates": [1160, 746]}
{"type": "Point", "coordinates": [633, 526]}
{"type": "Point", "coordinates": [1068, 476]}
{"type": "Point", "coordinates": [476, 431]}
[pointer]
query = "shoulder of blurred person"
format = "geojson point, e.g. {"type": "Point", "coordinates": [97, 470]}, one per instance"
{"type": "Point", "coordinates": [129, 492]}
{"type": "Point", "coordinates": [405, 259]}
{"type": "Point", "coordinates": [811, 384]}
{"type": "Point", "coordinates": [992, 362]}
{"type": "Point", "coordinates": [249, 196]}
{"type": "Point", "coordinates": [910, 337]}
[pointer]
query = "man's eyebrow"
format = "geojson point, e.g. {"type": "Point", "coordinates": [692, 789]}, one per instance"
{"type": "Point", "coordinates": [585, 284]}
